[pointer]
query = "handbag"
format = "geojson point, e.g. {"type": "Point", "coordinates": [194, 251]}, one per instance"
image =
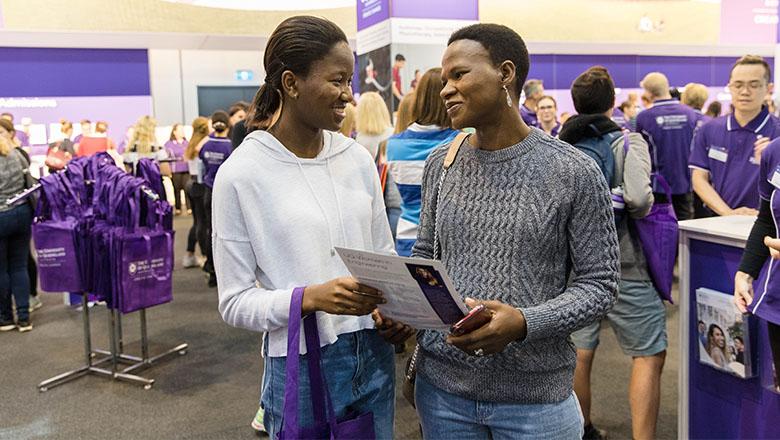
{"type": "Point", "coordinates": [410, 375]}
{"type": "Point", "coordinates": [326, 426]}
{"type": "Point", "coordinates": [56, 159]}
{"type": "Point", "coordinates": [658, 233]}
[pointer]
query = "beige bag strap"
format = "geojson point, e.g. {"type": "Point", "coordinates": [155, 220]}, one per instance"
{"type": "Point", "coordinates": [454, 147]}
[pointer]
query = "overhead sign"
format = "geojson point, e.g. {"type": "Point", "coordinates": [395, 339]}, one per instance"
{"type": "Point", "coordinates": [245, 75]}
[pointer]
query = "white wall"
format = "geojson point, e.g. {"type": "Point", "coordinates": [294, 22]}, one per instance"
{"type": "Point", "coordinates": [165, 79]}
{"type": "Point", "coordinates": [176, 74]}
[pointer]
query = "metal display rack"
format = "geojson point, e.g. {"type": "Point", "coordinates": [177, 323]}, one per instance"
{"type": "Point", "coordinates": [94, 359]}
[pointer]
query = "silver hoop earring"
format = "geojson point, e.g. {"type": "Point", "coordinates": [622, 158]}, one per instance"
{"type": "Point", "coordinates": [508, 98]}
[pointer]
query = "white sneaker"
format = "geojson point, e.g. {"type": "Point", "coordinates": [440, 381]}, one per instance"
{"type": "Point", "coordinates": [35, 303]}
{"type": "Point", "coordinates": [190, 261]}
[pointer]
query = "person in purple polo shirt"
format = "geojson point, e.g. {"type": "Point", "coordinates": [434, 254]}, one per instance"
{"type": "Point", "coordinates": [668, 128]}
{"type": "Point", "coordinates": [213, 154]}
{"type": "Point", "coordinates": [533, 90]}
{"type": "Point", "coordinates": [727, 150]}
{"type": "Point", "coordinates": [765, 302]}
{"type": "Point", "coordinates": [547, 112]}
{"type": "Point", "coordinates": [175, 147]}
{"type": "Point", "coordinates": [694, 96]}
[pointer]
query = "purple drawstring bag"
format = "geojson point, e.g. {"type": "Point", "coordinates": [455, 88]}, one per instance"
{"type": "Point", "coordinates": [658, 233]}
{"type": "Point", "coordinates": [325, 426]}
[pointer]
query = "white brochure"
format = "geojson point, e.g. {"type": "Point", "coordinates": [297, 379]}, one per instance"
{"type": "Point", "coordinates": [419, 292]}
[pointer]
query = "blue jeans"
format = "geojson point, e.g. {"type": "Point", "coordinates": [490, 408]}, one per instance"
{"type": "Point", "coordinates": [15, 231]}
{"type": "Point", "coordinates": [447, 416]}
{"type": "Point", "coordinates": [359, 369]}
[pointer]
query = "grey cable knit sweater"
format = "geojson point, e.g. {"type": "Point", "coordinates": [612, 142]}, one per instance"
{"type": "Point", "coordinates": [513, 224]}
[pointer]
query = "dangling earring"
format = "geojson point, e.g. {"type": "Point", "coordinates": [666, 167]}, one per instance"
{"type": "Point", "coordinates": [508, 98]}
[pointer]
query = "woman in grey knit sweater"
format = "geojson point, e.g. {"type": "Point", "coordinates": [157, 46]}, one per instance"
{"type": "Point", "coordinates": [520, 228]}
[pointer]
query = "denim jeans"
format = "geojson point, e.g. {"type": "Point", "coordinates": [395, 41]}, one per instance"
{"type": "Point", "coordinates": [15, 231]}
{"type": "Point", "coordinates": [447, 416]}
{"type": "Point", "coordinates": [359, 369]}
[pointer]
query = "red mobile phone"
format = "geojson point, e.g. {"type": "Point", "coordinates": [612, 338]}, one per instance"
{"type": "Point", "coordinates": [477, 317]}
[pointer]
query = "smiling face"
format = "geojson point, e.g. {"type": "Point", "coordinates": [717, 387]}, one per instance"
{"type": "Point", "coordinates": [319, 99]}
{"type": "Point", "coordinates": [718, 339]}
{"type": "Point", "coordinates": [473, 92]}
{"type": "Point", "coordinates": [546, 111]}
{"type": "Point", "coordinates": [237, 116]}
{"type": "Point", "coordinates": [748, 87]}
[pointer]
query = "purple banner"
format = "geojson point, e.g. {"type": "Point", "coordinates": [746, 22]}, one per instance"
{"type": "Point", "coordinates": [371, 12]}
{"type": "Point", "coordinates": [440, 9]}
{"type": "Point", "coordinates": [31, 71]}
{"type": "Point", "coordinates": [119, 111]}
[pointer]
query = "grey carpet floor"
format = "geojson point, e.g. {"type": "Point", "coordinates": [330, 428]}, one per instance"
{"type": "Point", "coordinates": [212, 392]}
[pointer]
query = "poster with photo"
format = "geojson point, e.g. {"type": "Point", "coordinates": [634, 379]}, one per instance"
{"type": "Point", "coordinates": [375, 73]}
{"type": "Point", "coordinates": [723, 335]}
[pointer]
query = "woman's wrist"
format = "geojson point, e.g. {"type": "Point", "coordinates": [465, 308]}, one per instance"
{"type": "Point", "coordinates": [742, 276]}
{"type": "Point", "coordinates": [308, 302]}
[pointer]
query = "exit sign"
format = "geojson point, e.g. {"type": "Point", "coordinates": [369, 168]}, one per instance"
{"type": "Point", "coordinates": [245, 75]}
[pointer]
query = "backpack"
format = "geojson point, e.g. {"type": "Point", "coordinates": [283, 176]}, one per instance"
{"type": "Point", "coordinates": [602, 150]}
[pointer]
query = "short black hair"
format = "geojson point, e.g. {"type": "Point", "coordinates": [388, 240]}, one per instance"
{"type": "Point", "coordinates": [399, 57]}
{"type": "Point", "coordinates": [502, 43]}
{"type": "Point", "coordinates": [593, 92]}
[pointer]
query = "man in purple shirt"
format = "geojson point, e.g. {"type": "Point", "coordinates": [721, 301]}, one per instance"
{"type": "Point", "coordinates": [668, 128]}
{"type": "Point", "coordinates": [727, 150]}
{"type": "Point", "coordinates": [533, 90]}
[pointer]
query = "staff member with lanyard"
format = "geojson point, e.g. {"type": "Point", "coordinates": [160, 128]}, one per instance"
{"type": "Point", "coordinates": [765, 304]}
{"type": "Point", "coordinates": [727, 150]}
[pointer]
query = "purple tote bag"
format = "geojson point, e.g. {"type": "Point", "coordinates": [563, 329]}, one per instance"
{"type": "Point", "coordinates": [325, 426]}
{"type": "Point", "coordinates": [56, 238]}
{"type": "Point", "coordinates": [144, 258]}
{"type": "Point", "coordinates": [658, 233]}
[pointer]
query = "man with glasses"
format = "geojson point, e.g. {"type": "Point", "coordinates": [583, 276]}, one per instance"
{"type": "Point", "coordinates": [726, 151]}
{"type": "Point", "coordinates": [668, 128]}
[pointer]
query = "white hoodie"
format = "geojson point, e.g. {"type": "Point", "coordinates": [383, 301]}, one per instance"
{"type": "Point", "coordinates": [276, 219]}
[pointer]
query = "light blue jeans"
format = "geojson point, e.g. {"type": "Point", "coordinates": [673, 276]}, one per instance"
{"type": "Point", "coordinates": [447, 416]}
{"type": "Point", "coordinates": [359, 369]}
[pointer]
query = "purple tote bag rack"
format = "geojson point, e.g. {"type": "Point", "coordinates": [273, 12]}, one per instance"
{"type": "Point", "coordinates": [325, 424]}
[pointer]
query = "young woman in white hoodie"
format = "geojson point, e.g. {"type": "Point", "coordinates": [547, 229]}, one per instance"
{"type": "Point", "coordinates": [293, 191]}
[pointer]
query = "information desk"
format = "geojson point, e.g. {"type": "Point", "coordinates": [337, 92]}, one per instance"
{"type": "Point", "coordinates": [715, 404]}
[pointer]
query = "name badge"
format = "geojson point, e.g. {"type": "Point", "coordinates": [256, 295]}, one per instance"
{"type": "Point", "coordinates": [775, 180]}
{"type": "Point", "coordinates": [718, 153]}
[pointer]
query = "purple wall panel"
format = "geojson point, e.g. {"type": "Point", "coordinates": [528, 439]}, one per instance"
{"type": "Point", "coordinates": [558, 71]}
{"type": "Point", "coordinates": [543, 67]}
{"type": "Point", "coordinates": [29, 72]}
{"type": "Point", "coordinates": [441, 9]}
{"type": "Point", "coordinates": [679, 70]}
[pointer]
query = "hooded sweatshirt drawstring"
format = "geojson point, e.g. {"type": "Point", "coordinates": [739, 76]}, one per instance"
{"type": "Point", "coordinates": [322, 208]}
{"type": "Point", "coordinates": [338, 200]}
